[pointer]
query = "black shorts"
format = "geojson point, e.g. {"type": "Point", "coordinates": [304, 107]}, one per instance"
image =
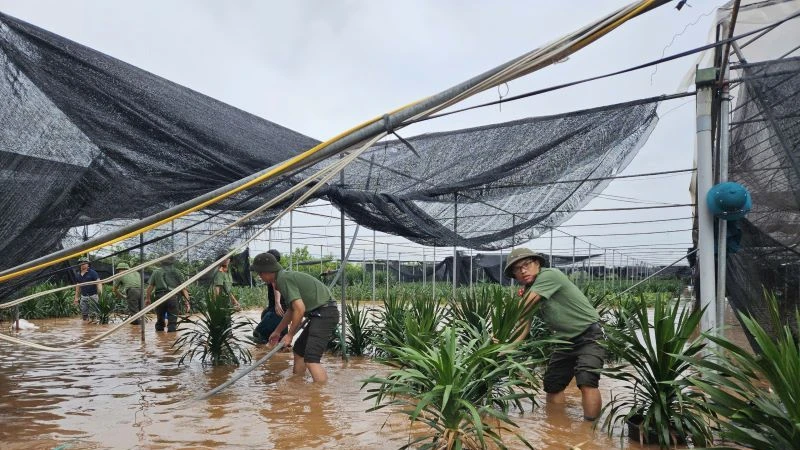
{"type": "Point", "coordinates": [581, 360]}
{"type": "Point", "coordinates": [314, 339]}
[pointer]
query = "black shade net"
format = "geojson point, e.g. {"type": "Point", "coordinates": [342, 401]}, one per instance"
{"type": "Point", "coordinates": [86, 139]}
{"type": "Point", "coordinates": [764, 156]}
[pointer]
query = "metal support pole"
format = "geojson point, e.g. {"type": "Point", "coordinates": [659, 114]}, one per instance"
{"type": "Point", "coordinates": [187, 248]}
{"type": "Point", "coordinates": [455, 236]}
{"type": "Point", "coordinates": [387, 272]}
{"type": "Point", "coordinates": [589, 264]}
{"type": "Point", "coordinates": [722, 236]}
{"type": "Point", "coordinates": [551, 247]}
{"type": "Point", "coordinates": [374, 265]}
{"type": "Point", "coordinates": [433, 277]}
{"type": "Point", "coordinates": [141, 278]}
{"type": "Point", "coordinates": [363, 266]}
{"type": "Point", "coordinates": [572, 268]}
{"type": "Point", "coordinates": [424, 268]}
{"type": "Point", "coordinates": [704, 80]}
{"type": "Point", "coordinates": [269, 238]}
{"type": "Point", "coordinates": [343, 278]}
{"type": "Point", "coordinates": [291, 240]}
{"type": "Point", "coordinates": [471, 288]}
{"type": "Point", "coordinates": [605, 270]}
{"type": "Point", "coordinates": [321, 261]}
{"type": "Point", "coordinates": [399, 274]}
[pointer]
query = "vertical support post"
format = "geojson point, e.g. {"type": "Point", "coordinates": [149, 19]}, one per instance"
{"type": "Point", "coordinates": [704, 81]}
{"type": "Point", "coordinates": [551, 247]}
{"type": "Point", "coordinates": [172, 235]}
{"type": "Point", "coordinates": [387, 271]}
{"type": "Point", "coordinates": [343, 277]}
{"type": "Point", "coordinates": [187, 251]}
{"type": "Point", "coordinates": [269, 238]}
{"type": "Point", "coordinates": [455, 236]}
{"type": "Point", "coordinates": [513, 231]}
{"type": "Point", "coordinates": [321, 261]}
{"type": "Point", "coordinates": [722, 235]}
{"type": "Point", "coordinates": [589, 264]}
{"type": "Point", "coordinates": [471, 288]}
{"type": "Point", "coordinates": [399, 274]}
{"type": "Point", "coordinates": [572, 268]}
{"type": "Point", "coordinates": [605, 270]}
{"type": "Point", "coordinates": [363, 267]}
{"type": "Point", "coordinates": [374, 265]}
{"type": "Point", "coordinates": [502, 265]}
{"type": "Point", "coordinates": [433, 277]}
{"type": "Point", "coordinates": [424, 268]}
{"type": "Point", "coordinates": [141, 278]}
{"type": "Point", "coordinates": [291, 240]}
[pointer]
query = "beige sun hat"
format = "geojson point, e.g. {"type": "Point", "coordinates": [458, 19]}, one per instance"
{"type": "Point", "coordinates": [518, 254]}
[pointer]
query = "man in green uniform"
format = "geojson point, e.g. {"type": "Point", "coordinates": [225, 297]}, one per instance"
{"type": "Point", "coordinates": [307, 297]}
{"type": "Point", "coordinates": [571, 317]}
{"type": "Point", "coordinates": [163, 280]}
{"type": "Point", "coordinates": [222, 284]}
{"type": "Point", "coordinates": [128, 287]}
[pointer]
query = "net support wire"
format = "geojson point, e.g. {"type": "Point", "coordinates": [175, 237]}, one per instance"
{"type": "Point", "coordinates": [329, 172]}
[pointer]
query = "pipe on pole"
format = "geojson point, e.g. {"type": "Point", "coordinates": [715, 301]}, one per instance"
{"type": "Point", "coordinates": [342, 272]}
{"type": "Point", "coordinates": [141, 278]}
{"type": "Point", "coordinates": [704, 80]}
{"type": "Point", "coordinates": [722, 235]}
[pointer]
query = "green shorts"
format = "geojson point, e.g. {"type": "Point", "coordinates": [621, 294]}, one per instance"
{"type": "Point", "coordinates": [314, 339]}
{"type": "Point", "coordinates": [581, 360]}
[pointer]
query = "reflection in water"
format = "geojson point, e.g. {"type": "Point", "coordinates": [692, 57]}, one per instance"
{"type": "Point", "coordinates": [121, 393]}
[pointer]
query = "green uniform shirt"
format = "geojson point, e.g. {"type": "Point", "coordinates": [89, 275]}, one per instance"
{"type": "Point", "coordinates": [224, 280]}
{"type": "Point", "coordinates": [563, 306]}
{"type": "Point", "coordinates": [299, 285]}
{"type": "Point", "coordinates": [127, 281]}
{"type": "Point", "coordinates": [166, 278]}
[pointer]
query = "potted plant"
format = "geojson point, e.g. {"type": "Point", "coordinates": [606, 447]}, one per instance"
{"type": "Point", "coordinates": [657, 403]}
{"type": "Point", "coordinates": [215, 337]}
{"type": "Point", "coordinates": [756, 396]}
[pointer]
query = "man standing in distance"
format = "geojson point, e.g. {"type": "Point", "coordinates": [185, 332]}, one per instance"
{"type": "Point", "coordinates": [89, 293]}
{"type": "Point", "coordinates": [164, 279]}
{"type": "Point", "coordinates": [129, 287]}
{"type": "Point", "coordinates": [571, 317]}
{"type": "Point", "coordinates": [307, 297]}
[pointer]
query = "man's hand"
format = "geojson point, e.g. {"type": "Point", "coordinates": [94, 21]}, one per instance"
{"type": "Point", "coordinates": [147, 300]}
{"type": "Point", "coordinates": [279, 309]}
{"type": "Point", "coordinates": [287, 340]}
{"type": "Point", "coordinates": [273, 338]}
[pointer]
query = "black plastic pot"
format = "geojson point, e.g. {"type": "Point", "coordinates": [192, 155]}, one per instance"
{"type": "Point", "coordinates": [634, 434]}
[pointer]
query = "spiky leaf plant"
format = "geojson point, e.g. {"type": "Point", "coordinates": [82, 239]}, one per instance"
{"type": "Point", "coordinates": [654, 371]}
{"type": "Point", "coordinates": [360, 329]}
{"type": "Point", "coordinates": [453, 385]}
{"type": "Point", "coordinates": [215, 337]}
{"type": "Point", "coordinates": [104, 308]}
{"type": "Point", "coordinates": [756, 396]}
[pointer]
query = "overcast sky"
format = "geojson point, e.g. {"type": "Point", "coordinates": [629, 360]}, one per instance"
{"type": "Point", "coordinates": [320, 67]}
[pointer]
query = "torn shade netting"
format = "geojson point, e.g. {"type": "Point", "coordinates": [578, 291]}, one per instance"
{"type": "Point", "coordinates": [88, 139]}
{"type": "Point", "coordinates": [764, 157]}
{"type": "Point", "coordinates": [508, 182]}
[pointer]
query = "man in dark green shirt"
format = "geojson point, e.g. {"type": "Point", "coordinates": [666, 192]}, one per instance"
{"type": "Point", "coordinates": [571, 317]}
{"type": "Point", "coordinates": [129, 287]}
{"type": "Point", "coordinates": [163, 280]}
{"type": "Point", "coordinates": [307, 297]}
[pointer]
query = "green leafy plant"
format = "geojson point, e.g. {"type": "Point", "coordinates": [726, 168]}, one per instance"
{"type": "Point", "coordinates": [104, 308]}
{"type": "Point", "coordinates": [453, 385]}
{"type": "Point", "coordinates": [656, 400]}
{"type": "Point", "coordinates": [360, 329]}
{"type": "Point", "coordinates": [756, 396]}
{"type": "Point", "coordinates": [215, 337]}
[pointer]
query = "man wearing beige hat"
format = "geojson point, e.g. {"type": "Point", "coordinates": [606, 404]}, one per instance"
{"type": "Point", "coordinates": [307, 297]}
{"type": "Point", "coordinates": [572, 318]}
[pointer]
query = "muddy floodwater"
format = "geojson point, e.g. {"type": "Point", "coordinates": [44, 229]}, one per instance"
{"type": "Point", "coordinates": [122, 393]}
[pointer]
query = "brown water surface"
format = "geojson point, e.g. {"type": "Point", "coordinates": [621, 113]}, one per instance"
{"type": "Point", "coordinates": [122, 394]}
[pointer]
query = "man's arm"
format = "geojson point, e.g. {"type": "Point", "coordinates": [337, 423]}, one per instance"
{"type": "Point", "coordinates": [524, 327]}
{"type": "Point", "coordinates": [147, 295]}
{"type": "Point", "coordinates": [77, 294]}
{"type": "Point", "coordinates": [297, 308]}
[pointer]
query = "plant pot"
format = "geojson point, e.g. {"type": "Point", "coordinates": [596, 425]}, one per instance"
{"type": "Point", "coordinates": [634, 426]}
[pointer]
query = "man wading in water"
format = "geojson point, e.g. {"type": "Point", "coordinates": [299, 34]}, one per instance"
{"type": "Point", "coordinates": [307, 297]}
{"type": "Point", "coordinates": [571, 317]}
